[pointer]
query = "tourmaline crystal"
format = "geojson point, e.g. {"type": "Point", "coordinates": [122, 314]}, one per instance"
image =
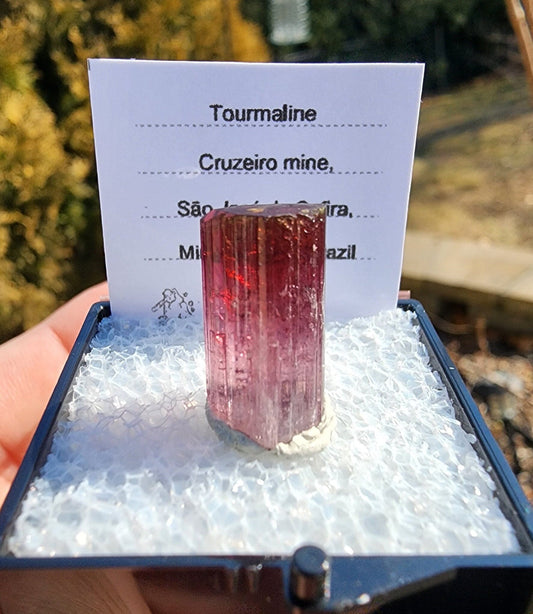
{"type": "Point", "coordinates": [263, 286]}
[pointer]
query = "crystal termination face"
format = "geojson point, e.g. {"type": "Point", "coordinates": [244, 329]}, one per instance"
{"type": "Point", "coordinates": [263, 290]}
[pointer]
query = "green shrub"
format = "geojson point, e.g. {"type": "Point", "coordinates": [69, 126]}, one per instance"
{"type": "Point", "coordinates": [50, 236]}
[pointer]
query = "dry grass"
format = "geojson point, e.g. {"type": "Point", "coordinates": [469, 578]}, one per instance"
{"type": "Point", "coordinates": [473, 180]}
{"type": "Point", "coordinates": [473, 173]}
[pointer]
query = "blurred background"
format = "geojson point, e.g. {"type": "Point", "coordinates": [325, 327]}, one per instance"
{"type": "Point", "coordinates": [472, 193]}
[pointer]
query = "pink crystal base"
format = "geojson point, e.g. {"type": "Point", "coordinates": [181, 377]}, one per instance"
{"type": "Point", "coordinates": [263, 281]}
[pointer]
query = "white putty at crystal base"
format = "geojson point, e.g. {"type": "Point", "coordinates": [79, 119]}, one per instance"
{"type": "Point", "coordinates": [134, 467]}
{"type": "Point", "coordinates": [310, 441]}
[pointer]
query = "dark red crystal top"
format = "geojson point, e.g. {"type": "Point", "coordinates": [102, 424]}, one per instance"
{"type": "Point", "coordinates": [267, 210]}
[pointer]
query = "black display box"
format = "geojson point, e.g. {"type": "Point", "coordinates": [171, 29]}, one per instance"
{"type": "Point", "coordinates": [309, 580]}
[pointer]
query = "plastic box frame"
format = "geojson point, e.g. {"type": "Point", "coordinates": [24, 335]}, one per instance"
{"type": "Point", "coordinates": [487, 584]}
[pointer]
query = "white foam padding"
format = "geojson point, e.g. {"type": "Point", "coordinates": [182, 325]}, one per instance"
{"type": "Point", "coordinates": [134, 467]}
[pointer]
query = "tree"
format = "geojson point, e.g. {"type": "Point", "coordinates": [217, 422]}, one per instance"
{"type": "Point", "coordinates": [521, 17]}
{"type": "Point", "coordinates": [456, 39]}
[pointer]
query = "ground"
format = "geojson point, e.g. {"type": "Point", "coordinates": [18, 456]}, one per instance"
{"type": "Point", "coordinates": [473, 180]}
{"type": "Point", "coordinates": [473, 174]}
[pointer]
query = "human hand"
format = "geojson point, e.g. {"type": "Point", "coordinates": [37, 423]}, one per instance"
{"type": "Point", "coordinates": [30, 365]}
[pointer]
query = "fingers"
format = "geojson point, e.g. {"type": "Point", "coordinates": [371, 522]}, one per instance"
{"type": "Point", "coordinates": [67, 320]}
{"type": "Point", "coordinates": [30, 365]}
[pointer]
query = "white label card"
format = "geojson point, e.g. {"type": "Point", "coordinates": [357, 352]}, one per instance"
{"type": "Point", "coordinates": [176, 139]}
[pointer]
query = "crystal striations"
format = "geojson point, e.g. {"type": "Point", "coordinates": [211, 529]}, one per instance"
{"type": "Point", "coordinates": [263, 286]}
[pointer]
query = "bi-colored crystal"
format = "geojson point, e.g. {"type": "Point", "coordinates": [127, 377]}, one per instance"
{"type": "Point", "coordinates": [263, 286]}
